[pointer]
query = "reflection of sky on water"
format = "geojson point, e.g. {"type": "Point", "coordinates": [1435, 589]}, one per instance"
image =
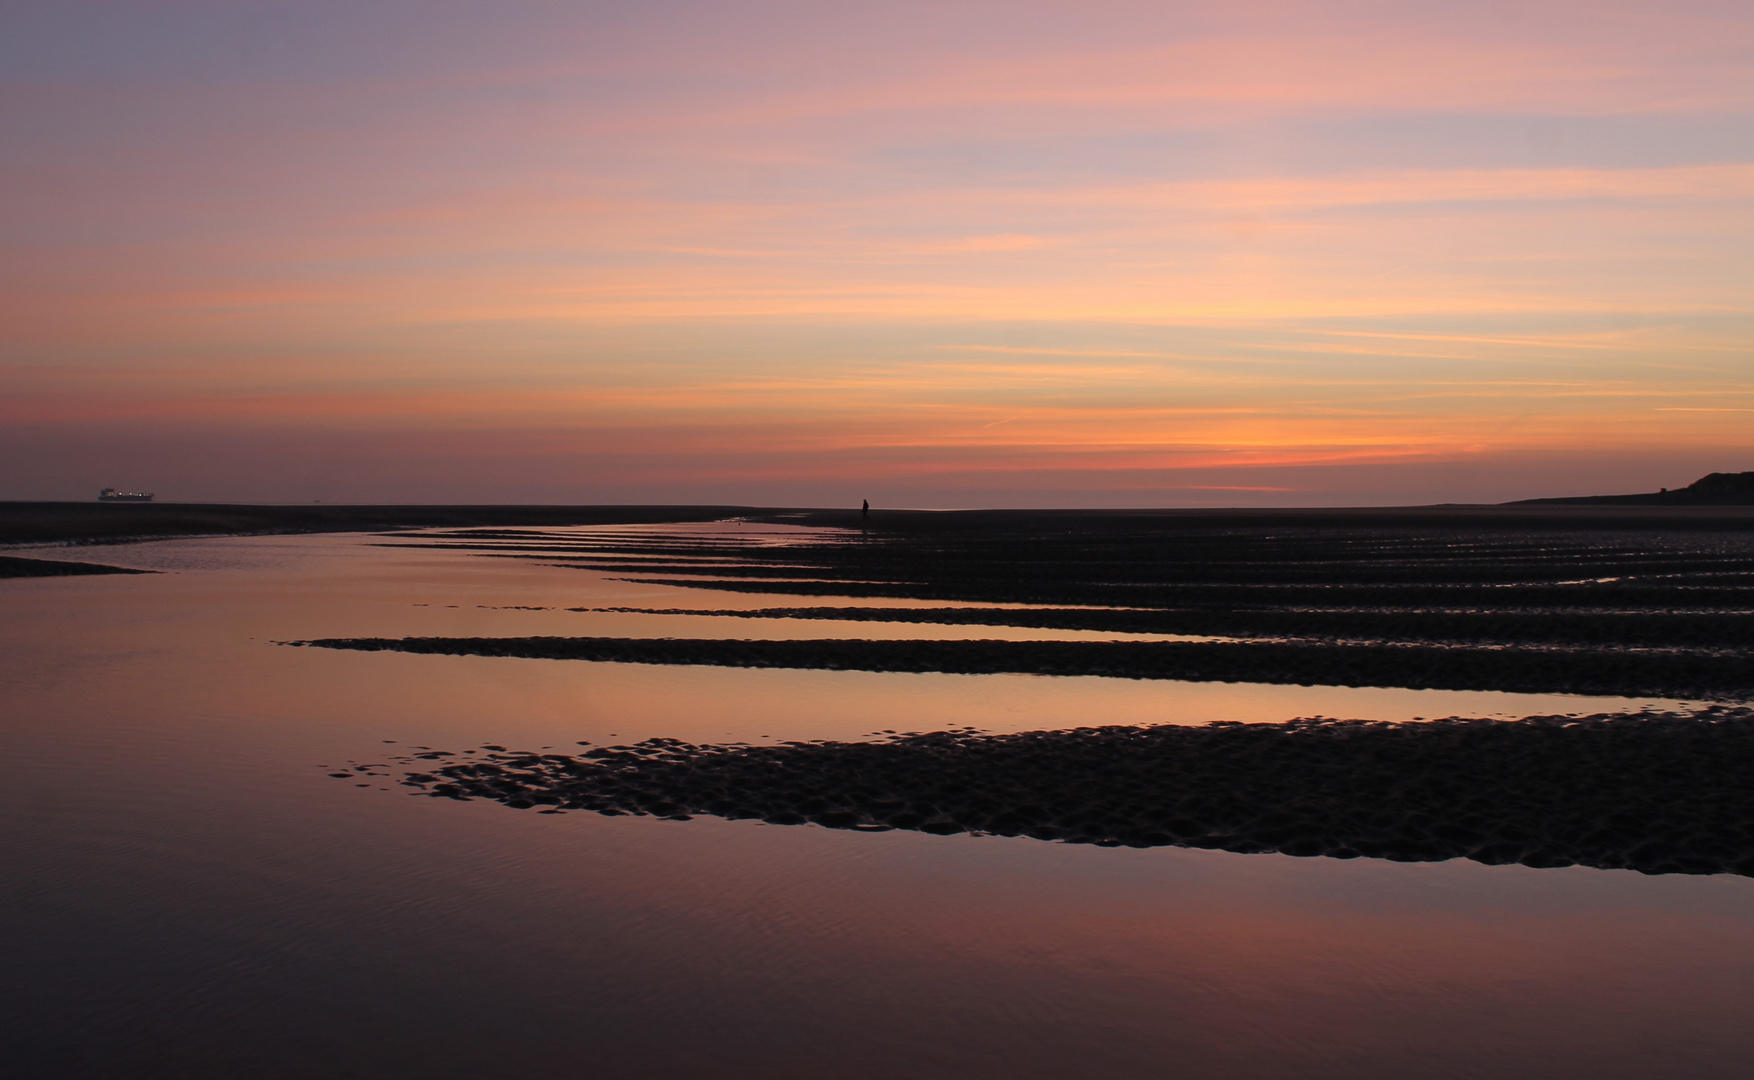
{"type": "Point", "coordinates": [187, 885]}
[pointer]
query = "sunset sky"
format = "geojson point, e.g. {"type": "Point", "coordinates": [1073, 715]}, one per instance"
{"type": "Point", "coordinates": [948, 254]}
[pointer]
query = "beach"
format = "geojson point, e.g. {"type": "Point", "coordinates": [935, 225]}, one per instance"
{"type": "Point", "coordinates": [795, 825]}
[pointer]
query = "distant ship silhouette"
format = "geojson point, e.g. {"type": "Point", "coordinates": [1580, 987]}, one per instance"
{"type": "Point", "coordinates": [112, 495]}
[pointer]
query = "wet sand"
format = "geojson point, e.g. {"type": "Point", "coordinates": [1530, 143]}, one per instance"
{"type": "Point", "coordinates": [1660, 793]}
{"type": "Point", "coordinates": [1622, 601]}
{"type": "Point", "coordinates": [14, 567]}
{"type": "Point", "coordinates": [1675, 629]}
{"type": "Point", "coordinates": [1712, 676]}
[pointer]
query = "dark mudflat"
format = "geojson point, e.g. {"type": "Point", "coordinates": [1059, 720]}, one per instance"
{"type": "Point", "coordinates": [1481, 575]}
{"type": "Point", "coordinates": [1677, 674]}
{"type": "Point", "coordinates": [1713, 630]}
{"type": "Point", "coordinates": [1654, 792]}
{"type": "Point", "coordinates": [1617, 600]}
{"type": "Point", "coordinates": [11, 567]}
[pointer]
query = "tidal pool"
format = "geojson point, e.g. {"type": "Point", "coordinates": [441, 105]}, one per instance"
{"type": "Point", "coordinates": [188, 893]}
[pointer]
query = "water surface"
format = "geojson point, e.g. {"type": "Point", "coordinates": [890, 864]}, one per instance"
{"type": "Point", "coordinates": [189, 894]}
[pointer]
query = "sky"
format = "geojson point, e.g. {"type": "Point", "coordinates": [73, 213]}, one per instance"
{"type": "Point", "coordinates": [762, 252]}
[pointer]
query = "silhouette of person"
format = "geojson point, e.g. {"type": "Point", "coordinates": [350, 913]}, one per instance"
{"type": "Point", "coordinates": [865, 510]}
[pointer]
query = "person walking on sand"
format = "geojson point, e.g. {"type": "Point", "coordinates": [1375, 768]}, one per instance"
{"type": "Point", "coordinates": [865, 510]}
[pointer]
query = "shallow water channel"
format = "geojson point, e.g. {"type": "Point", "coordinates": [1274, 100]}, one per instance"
{"type": "Point", "coordinates": [189, 893]}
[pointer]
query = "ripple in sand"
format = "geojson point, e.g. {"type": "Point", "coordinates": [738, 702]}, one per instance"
{"type": "Point", "coordinates": [1654, 792]}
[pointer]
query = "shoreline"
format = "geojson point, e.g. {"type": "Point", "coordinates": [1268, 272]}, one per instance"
{"type": "Point", "coordinates": [25, 523]}
{"type": "Point", "coordinates": [14, 567]}
{"type": "Point", "coordinates": [1619, 673]}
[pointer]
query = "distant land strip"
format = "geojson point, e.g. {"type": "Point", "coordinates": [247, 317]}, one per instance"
{"type": "Point", "coordinates": [1659, 793]}
{"type": "Point", "coordinates": [1627, 673]}
{"type": "Point", "coordinates": [94, 522]}
{"type": "Point", "coordinates": [1713, 489]}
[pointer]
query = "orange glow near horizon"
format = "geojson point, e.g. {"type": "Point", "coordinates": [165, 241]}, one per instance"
{"type": "Point", "coordinates": [764, 253]}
